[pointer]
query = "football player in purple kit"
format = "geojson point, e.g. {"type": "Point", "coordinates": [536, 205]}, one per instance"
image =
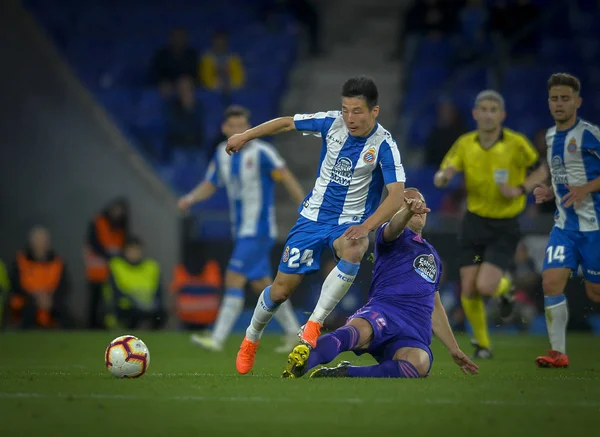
{"type": "Point", "coordinates": [404, 309]}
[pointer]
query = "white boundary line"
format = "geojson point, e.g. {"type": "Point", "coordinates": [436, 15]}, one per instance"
{"type": "Point", "coordinates": [152, 375]}
{"type": "Point", "coordinates": [264, 399]}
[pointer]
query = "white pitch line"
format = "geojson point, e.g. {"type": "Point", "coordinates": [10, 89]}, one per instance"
{"type": "Point", "coordinates": [263, 399]}
{"type": "Point", "coordinates": [150, 375]}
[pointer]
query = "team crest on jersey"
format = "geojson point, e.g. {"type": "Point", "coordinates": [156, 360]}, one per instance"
{"type": "Point", "coordinates": [572, 146]}
{"type": "Point", "coordinates": [369, 155]}
{"type": "Point", "coordinates": [341, 173]}
{"type": "Point", "coordinates": [426, 268]}
{"type": "Point", "coordinates": [286, 254]}
{"type": "Point", "coordinates": [558, 171]}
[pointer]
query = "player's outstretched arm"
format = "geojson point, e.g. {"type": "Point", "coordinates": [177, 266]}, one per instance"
{"type": "Point", "coordinates": [271, 127]}
{"type": "Point", "coordinates": [400, 220]}
{"type": "Point", "coordinates": [444, 176]}
{"type": "Point", "coordinates": [392, 203]}
{"type": "Point", "coordinates": [203, 191]}
{"type": "Point", "coordinates": [443, 331]}
{"type": "Point", "coordinates": [292, 186]}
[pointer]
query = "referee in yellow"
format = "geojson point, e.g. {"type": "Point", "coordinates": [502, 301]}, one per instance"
{"type": "Point", "coordinates": [495, 162]}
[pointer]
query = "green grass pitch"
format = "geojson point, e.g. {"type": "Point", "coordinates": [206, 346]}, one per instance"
{"type": "Point", "coordinates": [55, 384]}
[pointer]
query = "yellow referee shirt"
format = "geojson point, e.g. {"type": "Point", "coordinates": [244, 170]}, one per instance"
{"type": "Point", "coordinates": [506, 162]}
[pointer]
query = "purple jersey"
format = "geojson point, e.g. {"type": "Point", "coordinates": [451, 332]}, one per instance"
{"type": "Point", "coordinates": [406, 277]}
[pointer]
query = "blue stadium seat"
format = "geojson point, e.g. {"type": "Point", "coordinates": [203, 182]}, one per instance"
{"type": "Point", "coordinates": [427, 77]}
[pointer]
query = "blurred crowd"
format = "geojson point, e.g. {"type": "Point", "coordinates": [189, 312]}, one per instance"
{"type": "Point", "coordinates": [125, 286]}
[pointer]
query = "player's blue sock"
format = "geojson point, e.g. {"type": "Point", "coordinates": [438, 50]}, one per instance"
{"type": "Point", "coordinates": [331, 345]}
{"type": "Point", "coordinates": [387, 369]}
{"type": "Point", "coordinates": [263, 313]}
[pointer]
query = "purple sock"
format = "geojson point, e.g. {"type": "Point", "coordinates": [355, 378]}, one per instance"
{"type": "Point", "coordinates": [387, 369]}
{"type": "Point", "coordinates": [331, 345]}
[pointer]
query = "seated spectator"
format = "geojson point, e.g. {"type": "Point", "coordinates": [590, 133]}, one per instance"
{"type": "Point", "coordinates": [474, 37]}
{"type": "Point", "coordinates": [39, 285]}
{"type": "Point", "coordinates": [219, 68]}
{"type": "Point", "coordinates": [184, 117]}
{"type": "Point", "coordinates": [431, 19]}
{"type": "Point", "coordinates": [4, 290]}
{"type": "Point", "coordinates": [134, 294]}
{"type": "Point", "coordinates": [173, 62]}
{"type": "Point", "coordinates": [449, 127]}
{"type": "Point", "coordinates": [500, 18]}
{"type": "Point", "coordinates": [105, 238]}
{"type": "Point", "coordinates": [524, 14]}
{"type": "Point", "coordinates": [196, 291]}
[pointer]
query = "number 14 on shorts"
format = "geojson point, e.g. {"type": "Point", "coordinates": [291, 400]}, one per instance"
{"type": "Point", "coordinates": [555, 253]}
{"type": "Point", "coordinates": [294, 258]}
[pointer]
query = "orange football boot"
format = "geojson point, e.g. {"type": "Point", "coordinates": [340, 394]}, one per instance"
{"type": "Point", "coordinates": [245, 356]}
{"type": "Point", "coordinates": [309, 334]}
{"type": "Point", "coordinates": [553, 359]}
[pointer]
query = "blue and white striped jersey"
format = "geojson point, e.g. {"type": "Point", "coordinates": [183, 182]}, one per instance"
{"type": "Point", "coordinates": [249, 178]}
{"type": "Point", "coordinates": [574, 159]}
{"type": "Point", "coordinates": [352, 170]}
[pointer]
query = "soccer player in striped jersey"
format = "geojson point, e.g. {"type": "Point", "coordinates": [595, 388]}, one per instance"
{"type": "Point", "coordinates": [249, 180]}
{"type": "Point", "coordinates": [574, 160]}
{"type": "Point", "coordinates": [358, 158]}
{"type": "Point", "coordinates": [404, 309]}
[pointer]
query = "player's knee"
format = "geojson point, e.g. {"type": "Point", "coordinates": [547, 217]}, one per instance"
{"type": "Point", "coordinates": [280, 291]}
{"type": "Point", "coordinates": [234, 279]}
{"type": "Point", "coordinates": [552, 286]}
{"type": "Point", "coordinates": [421, 364]}
{"type": "Point", "coordinates": [354, 250]}
{"type": "Point", "coordinates": [486, 287]}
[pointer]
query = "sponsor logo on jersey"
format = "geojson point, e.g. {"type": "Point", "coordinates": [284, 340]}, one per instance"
{"type": "Point", "coordinates": [558, 171]}
{"type": "Point", "coordinates": [341, 173]}
{"type": "Point", "coordinates": [369, 155]}
{"type": "Point", "coordinates": [501, 176]}
{"type": "Point", "coordinates": [572, 146]}
{"type": "Point", "coordinates": [426, 268]}
{"type": "Point", "coordinates": [332, 138]}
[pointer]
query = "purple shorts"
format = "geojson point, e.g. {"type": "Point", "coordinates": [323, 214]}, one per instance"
{"type": "Point", "coordinates": [390, 332]}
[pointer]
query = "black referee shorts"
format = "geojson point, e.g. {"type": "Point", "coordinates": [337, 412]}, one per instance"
{"type": "Point", "coordinates": [491, 240]}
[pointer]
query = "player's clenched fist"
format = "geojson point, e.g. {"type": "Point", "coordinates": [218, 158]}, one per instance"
{"type": "Point", "coordinates": [543, 194]}
{"type": "Point", "coordinates": [417, 206]}
{"type": "Point", "coordinates": [235, 143]}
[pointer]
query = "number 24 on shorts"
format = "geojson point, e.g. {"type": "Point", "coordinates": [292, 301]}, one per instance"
{"type": "Point", "coordinates": [307, 258]}
{"type": "Point", "coordinates": [556, 253]}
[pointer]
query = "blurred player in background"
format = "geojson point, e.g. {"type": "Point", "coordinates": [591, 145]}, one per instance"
{"type": "Point", "coordinates": [495, 161]}
{"type": "Point", "coordinates": [249, 180]}
{"type": "Point", "coordinates": [404, 308]}
{"type": "Point", "coordinates": [358, 157]}
{"type": "Point", "coordinates": [574, 159]}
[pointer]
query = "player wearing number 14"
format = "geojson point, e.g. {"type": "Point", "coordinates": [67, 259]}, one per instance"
{"type": "Point", "coordinates": [358, 157]}
{"type": "Point", "coordinates": [574, 159]}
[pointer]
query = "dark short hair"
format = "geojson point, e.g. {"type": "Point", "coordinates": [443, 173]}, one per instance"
{"type": "Point", "coordinates": [566, 79]}
{"type": "Point", "coordinates": [134, 240]}
{"type": "Point", "coordinates": [363, 87]}
{"type": "Point", "coordinates": [236, 111]}
{"type": "Point", "coordinates": [415, 189]}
